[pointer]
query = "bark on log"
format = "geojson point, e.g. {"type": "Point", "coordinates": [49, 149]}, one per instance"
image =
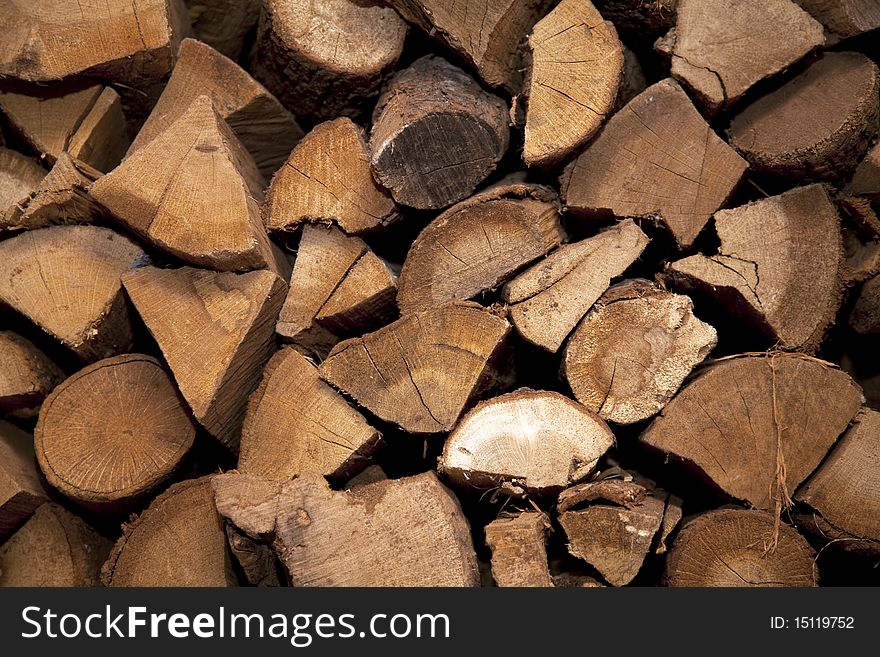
{"type": "Point", "coordinates": [20, 489]}
{"type": "Point", "coordinates": [225, 25]}
{"type": "Point", "coordinates": [27, 375]}
{"type": "Point", "coordinates": [519, 551]}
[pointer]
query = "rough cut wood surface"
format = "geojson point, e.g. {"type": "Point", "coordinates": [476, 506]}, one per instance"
{"type": "Point", "coordinates": [297, 425]}
{"type": "Point", "coordinates": [519, 551]}
{"type": "Point", "coordinates": [224, 24]}
{"type": "Point", "coordinates": [865, 315]}
{"type": "Point", "coordinates": [844, 18]}
{"type": "Point", "coordinates": [405, 532]}
{"type": "Point", "coordinates": [256, 560]}
{"type": "Point", "coordinates": [549, 299]}
{"type": "Point", "coordinates": [113, 432]}
{"type": "Point", "coordinates": [655, 157]}
{"type": "Point", "coordinates": [436, 134]}
{"type": "Point", "coordinates": [20, 489]}
{"type": "Point", "coordinates": [632, 352]}
{"type": "Point", "coordinates": [727, 547]}
{"type": "Point", "coordinates": [818, 125]}
{"type": "Point", "coordinates": [721, 49]}
{"type": "Point", "coordinates": [178, 540]}
{"type": "Point", "coordinates": [778, 266]}
{"type": "Point", "coordinates": [27, 375]}
{"type": "Point", "coordinates": [866, 179]}
{"type": "Point", "coordinates": [795, 408]}
{"type": "Point", "coordinates": [67, 281]}
{"type": "Point", "coordinates": [479, 243]}
{"type": "Point", "coordinates": [422, 370]}
{"type": "Point", "coordinates": [19, 177]}
{"type": "Point", "coordinates": [576, 72]}
{"type": "Point", "coordinates": [537, 440]}
{"type": "Point", "coordinates": [327, 179]}
{"type": "Point", "coordinates": [215, 330]}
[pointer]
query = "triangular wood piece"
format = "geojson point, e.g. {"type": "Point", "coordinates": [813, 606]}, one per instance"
{"type": "Point", "coordinates": [27, 375]}
{"type": "Point", "coordinates": [866, 179]}
{"type": "Point", "coordinates": [193, 191]}
{"type": "Point", "coordinates": [216, 332]}
{"type": "Point", "coordinates": [519, 550]}
{"type": "Point", "coordinates": [19, 177]}
{"type": "Point", "coordinates": [20, 489]}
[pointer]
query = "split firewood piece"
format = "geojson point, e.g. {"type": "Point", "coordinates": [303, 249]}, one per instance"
{"type": "Point", "coordinates": [795, 408]}
{"type": "Point", "coordinates": [722, 49]}
{"type": "Point", "coordinates": [113, 432]}
{"type": "Point", "coordinates": [519, 550]}
{"type": "Point", "coordinates": [639, 19]}
{"type": "Point", "coordinates": [728, 547]}
{"type": "Point", "coordinates": [537, 440]}
{"type": "Point", "coordinates": [296, 424]}
{"type": "Point", "coordinates": [338, 287]}
{"type": "Point", "coordinates": [576, 581]}
{"type": "Point", "coordinates": [20, 489]}
{"type": "Point", "coordinates": [436, 135]}
{"type": "Point", "coordinates": [193, 191]}
{"type": "Point", "coordinates": [44, 40]}
{"type": "Point", "coordinates": [778, 266]}
{"type": "Point", "coordinates": [67, 281]}
{"type": "Point", "coordinates": [866, 179]}
{"type": "Point", "coordinates": [632, 352]}
{"type": "Point", "coordinates": [101, 139]}
{"type": "Point", "coordinates": [655, 157]}
{"type": "Point", "coordinates": [327, 179]}
{"type": "Point", "coordinates": [224, 24]}
{"type": "Point", "coordinates": [865, 315]}
{"type": "Point", "coordinates": [491, 43]}
{"type": "Point", "coordinates": [614, 532]}
{"type": "Point", "coordinates": [844, 18]}
{"type": "Point", "coordinates": [373, 535]}
{"type": "Point", "coordinates": [843, 495]}
{"type": "Point", "coordinates": [215, 330]}
{"type": "Point", "coordinates": [478, 244]}
{"type": "Point", "coordinates": [263, 126]}
{"type": "Point", "coordinates": [19, 177]}
{"type": "Point", "coordinates": [178, 540]}
{"type": "Point", "coordinates": [27, 375]}
{"type": "Point", "coordinates": [62, 197]}
{"type": "Point", "coordinates": [672, 516]}
{"type": "Point", "coordinates": [576, 72]}
{"type": "Point", "coordinates": [256, 560]}
{"type": "Point", "coordinates": [421, 371]}
{"type": "Point", "coordinates": [53, 548]}
{"type": "Point", "coordinates": [326, 59]}
{"type": "Point", "coordinates": [550, 298]}
{"type": "Point", "coordinates": [782, 133]}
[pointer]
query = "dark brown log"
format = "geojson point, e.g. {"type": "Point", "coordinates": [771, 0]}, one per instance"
{"type": "Point", "coordinates": [216, 333]}
{"type": "Point", "coordinates": [632, 352]}
{"type": "Point", "coordinates": [27, 375]}
{"type": "Point", "coordinates": [374, 535]}
{"type": "Point", "coordinates": [779, 267]}
{"type": "Point", "coordinates": [866, 179]}
{"type": "Point", "coordinates": [479, 243]}
{"type": "Point", "coordinates": [255, 559]}
{"type": "Point", "coordinates": [844, 18]}
{"type": "Point", "coordinates": [728, 547]}
{"type": "Point", "coordinates": [19, 177]}
{"type": "Point", "coordinates": [818, 125]}
{"type": "Point", "coordinates": [436, 135]}
{"type": "Point", "coordinates": [640, 19]}
{"type": "Point", "coordinates": [634, 81]}
{"type": "Point", "coordinates": [655, 157]}
{"type": "Point", "coordinates": [865, 315]}
{"type": "Point", "coordinates": [519, 552]}
{"type": "Point", "coordinates": [20, 489]}
{"type": "Point", "coordinates": [326, 59]}
{"type": "Point", "coordinates": [224, 24]}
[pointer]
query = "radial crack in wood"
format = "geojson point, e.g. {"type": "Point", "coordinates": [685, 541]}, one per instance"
{"type": "Point", "coordinates": [27, 375]}
{"type": "Point", "coordinates": [519, 551]}
{"type": "Point", "coordinates": [20, 489]}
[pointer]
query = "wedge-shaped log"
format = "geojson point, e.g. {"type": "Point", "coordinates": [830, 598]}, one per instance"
{"type": "Point", "coordinates": [19, 177]}
{"type": "Point", "coordinates": [519, 550]}
{"type": "Point", "coordinates": [20, 489]}
{"type": "Point", "coordinates": [27, 375]}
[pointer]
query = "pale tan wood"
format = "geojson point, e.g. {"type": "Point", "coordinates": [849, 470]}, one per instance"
{"type": "Point", "coordinates": [224, 24]}
{"type": "Point", "coordinates": [519, 551]}
{"type": "Point", "coordinates": [20, 489]}
{"type": "Point", "coordinates": [27, 375]}
{"type": "Point", "coordinates": [844, 18]}
{"type": "Point", "coordinates": [19, 176]}
{"type": "Point", "coordinates": [101, 138]}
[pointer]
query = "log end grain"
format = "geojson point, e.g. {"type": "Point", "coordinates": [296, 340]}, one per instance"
{"type": "Point", "coordinates": [519, 551]}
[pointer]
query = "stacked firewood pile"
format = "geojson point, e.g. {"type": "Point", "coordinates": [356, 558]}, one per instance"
{"type": "Point", "coordinates": [512, 292]}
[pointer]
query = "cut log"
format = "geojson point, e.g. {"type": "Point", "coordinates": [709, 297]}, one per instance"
{"type": "Point", "coordinates": [20, 489]}
{"type": "Point", "coordinates": [216, 333]}
{"type": "Point", "coordinates": [178, 540]}
{"type": "Point", "coordinates": [865, 315]}
{"type": "Point", "coordinates": [67, 281]}
{"type": "Point", "coordinates": [727, 548]}
{"type": "Point", "coordinates": [339, 287]}
{"type": "Point", "coordinates": [296, 424]}
{"type": "Point", "coordinates": [632, 352]}
{"type": "Point", "coordinates": [19, 176]}
{"type": "Point", "coordinates": [60, 198]}
{"type": "Point", "coordinates": [640, 19]}
{"type": "Point", "coordinates": [538, 441]}
{"type": "Point", "coordinates": [326, 59]}
{"type": "Point", "coordinates": [866, 179]}
{"type": "Point", "coordinates": [256, 560]}
{"type": "Point", "coordinates": [375, 535]}
{"type": "Point", "coordinates": [102, 136]}
{"type": "Point", "coordinates": [778, 267]}
{"type": "Point", "coordinates": [113, 433]}
{"type": "Point", "coordinates": [27, 375]}
{"type": "Point", "coordinates": [491, 44]}
{"type": "Point", "coordinates": [436, 135]}
{"type": "Point", "coordinates": [421, 371]}
{"type": "Point", "coordinates": [519, 552]}
{"type": "Point", "coordinates": [656, 157]}
{"type": "Point", "coordinates": [224, 24]}
{"type": "Point", "coordinates": [818, 125]}
{"type": "Point", "coordinates": [193, 191]}
{"type": "Point", "coordinates": [478, 244]}
{"type": "Point", "coordinates": [265, 128]}
{"type": "Point", "coordinates": [53, 548]}
{"type": "Point", "coordinates": [327, 179]}
{"type": "Point", "coordinates": [615, 537]}
{"type": "Point", "coordinates": [576, 72]}
{"type": "Point", "coordinates": [721, 49]}
{"type": "Point", "coordinates": [795, 407]}
{"type": "Point", "coordinates": [843, 495]}
{"type": "Point", "coordinates": [844, 18]}
{"type": "Point", "coordinates": [550, 298]}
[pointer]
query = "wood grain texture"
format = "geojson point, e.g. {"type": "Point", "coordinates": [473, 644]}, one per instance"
{"type": "Point", "coordinates": [27, 375]}
{"type": "Point", "coordinates": [519, 551]}
{"type": "Point", "coordinates": [866, 179]}
{"type": "Point", "coordinates": [20, 489]}
{"type": "Point", "coordinates": [844, 18]}
{"type": "Point", "coordinates": [19, 177]}
{"type": "Point", "coordinates": [224, 24]}
{"type": "Point", "coordinates": [865, 315]}
{"type": "Point", "coordinates": [101, 139]}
